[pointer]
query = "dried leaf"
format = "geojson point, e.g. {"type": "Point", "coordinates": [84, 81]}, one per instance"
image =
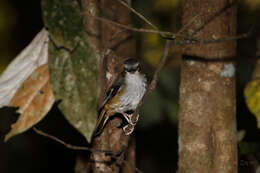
{"type": "Point", "coordinates": [34, 99]}
{"type": "Point", "coordinates": [33, 56]}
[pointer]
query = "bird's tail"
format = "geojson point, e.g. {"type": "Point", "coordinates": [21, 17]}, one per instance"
{"type": "Point", "coordinates": [101, 122]}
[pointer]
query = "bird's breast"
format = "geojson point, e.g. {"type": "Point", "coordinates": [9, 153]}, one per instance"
{"type": "Point", "coordinates": [135, 88]}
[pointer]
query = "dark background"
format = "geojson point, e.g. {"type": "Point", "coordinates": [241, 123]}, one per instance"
{"type": "Point", "coordinates": [156, 133]}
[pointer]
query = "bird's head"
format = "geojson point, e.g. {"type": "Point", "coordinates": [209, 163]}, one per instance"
{"type": "Point", "coordinates": [131, 65]}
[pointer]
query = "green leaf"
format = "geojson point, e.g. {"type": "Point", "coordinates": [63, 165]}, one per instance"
{"type": "Point", "coordinates": [252, 96]}
{"type": "Point", "coordinates": [73, 63]}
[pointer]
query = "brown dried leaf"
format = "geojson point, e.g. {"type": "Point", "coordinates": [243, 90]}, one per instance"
{"type": "Point", "coordinates": [28, 60]}
{"type": "Point", "coordinates": [34, 99]}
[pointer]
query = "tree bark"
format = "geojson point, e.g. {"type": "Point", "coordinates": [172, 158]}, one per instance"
{"type": "Point", "coordinates": [207, 114]}
{"type": "Point", "coordinates": [115, 45]}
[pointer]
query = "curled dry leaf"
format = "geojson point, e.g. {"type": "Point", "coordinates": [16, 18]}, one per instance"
{"type": "Point", "coordinates": [34, 99]}
{"type": "Point", "coordinates": [33, 56]}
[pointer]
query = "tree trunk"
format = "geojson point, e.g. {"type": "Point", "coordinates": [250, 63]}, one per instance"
{"type": "Point", "coordinates": [207, 115]}
{"type": "Point", "coordinates": [115, 45]}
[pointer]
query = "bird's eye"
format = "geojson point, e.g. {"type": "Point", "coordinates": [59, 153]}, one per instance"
{"type": "Point", "coordinates": [136, 65]}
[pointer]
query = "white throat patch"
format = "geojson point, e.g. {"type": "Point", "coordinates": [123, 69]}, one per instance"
{"type": "Point", "coordinates": [134, 91]}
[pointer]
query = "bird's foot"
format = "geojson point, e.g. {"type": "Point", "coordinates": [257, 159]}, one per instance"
{"type": "Point", "coordinates": [128, 129]}
{"type": "Point", "coordinates": [129, 119]}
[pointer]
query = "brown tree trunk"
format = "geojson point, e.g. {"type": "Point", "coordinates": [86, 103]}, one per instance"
{"type": "Point", "coordinates": [207, 115]}
{"type": "Point", "coordinates": [115, 45]}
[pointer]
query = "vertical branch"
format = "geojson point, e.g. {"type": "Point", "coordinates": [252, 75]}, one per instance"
{"type": "Point", "coordinates": [123, 44]}
{"type": "Point", "coordinates": [207, 122]}
{"type": "Point", "coordinates": [130, 167]}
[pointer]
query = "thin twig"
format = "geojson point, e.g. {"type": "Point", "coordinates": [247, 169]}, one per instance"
{"type": "Point", "coordinates": [160, 66]}
{"type": "Point", "coordinates": [238, 37]}
{"type": "Point", "coordinates": [214, 16]}
{"type": "Point", "coordinates": [202, 41]}
{"type": "Point", "coordinates": [152, 85]}
{"type": "Point", "coordinates": [170, 34]}
{"type": "Point", "coordinates": [73, 147]}
{"type": "Point", "coordinates": [138, 14]}
{"type": "Point", "coordinates": [189, 23]}
{"type": "Point", "coordinates": [152, 25]}
{"type": "Point", "coordinates": [114, 37]}
{"type": "Point", "coordinates": [113, 155]}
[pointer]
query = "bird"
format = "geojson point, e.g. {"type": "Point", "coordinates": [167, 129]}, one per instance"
{"type": "Point", "coordinates": [123, 96]}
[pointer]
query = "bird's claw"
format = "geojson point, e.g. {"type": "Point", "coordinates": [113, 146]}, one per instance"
{"type": "Point", "coordinates": [128, 129]}
{"type": "Point", "coordinates": [129, 119]}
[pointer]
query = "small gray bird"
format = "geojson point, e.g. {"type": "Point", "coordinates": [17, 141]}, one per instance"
{"type": "Point", "coordinates": [123, 96]}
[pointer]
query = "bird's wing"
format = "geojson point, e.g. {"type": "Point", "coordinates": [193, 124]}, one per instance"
{"type": "Point", "coordinates": [112, 91]}
{"type": "Point", "coordinates": [103, 116]}
{"type": "Point", "coordinates": [102, 119]}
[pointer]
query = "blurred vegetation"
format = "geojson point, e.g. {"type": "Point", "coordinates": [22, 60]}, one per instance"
{"type": "Point", "coordinates": [252, 96]}
{"type": "Point", "coordinates": [8, 19]}
{"type": "Point", "coordinates": [19, 22]}
{"type": "Point", "coordinates": [157, 129]}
